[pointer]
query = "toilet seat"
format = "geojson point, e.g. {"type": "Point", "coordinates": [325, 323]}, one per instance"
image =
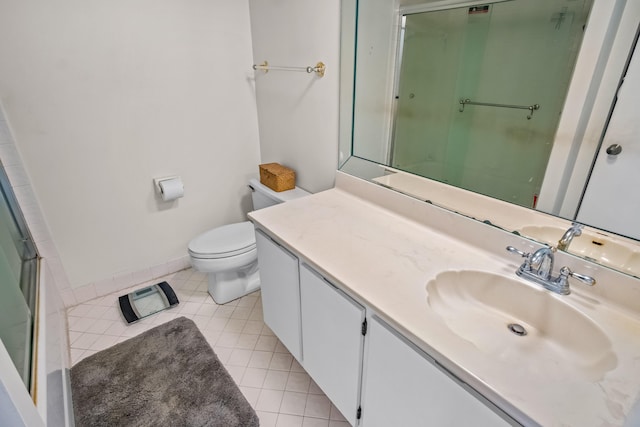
{"type": "Point", "coordinates": [224, 242]}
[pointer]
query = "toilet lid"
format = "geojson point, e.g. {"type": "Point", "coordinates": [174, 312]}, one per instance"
{"type": "Point", "coordinates": [228, 240]}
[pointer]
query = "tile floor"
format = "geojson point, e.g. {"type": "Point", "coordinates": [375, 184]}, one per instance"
{"type": "Point", "coordinates": [275, 384]}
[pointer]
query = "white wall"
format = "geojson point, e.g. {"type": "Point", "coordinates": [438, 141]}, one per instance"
{"type": "Point", "coordinates": [104, 96]}
{"type": "Point", "coordinates": [298, 112]}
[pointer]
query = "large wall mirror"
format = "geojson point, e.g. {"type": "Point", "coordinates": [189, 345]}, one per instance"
{"type": "Point", "coordinates": [512, 112]}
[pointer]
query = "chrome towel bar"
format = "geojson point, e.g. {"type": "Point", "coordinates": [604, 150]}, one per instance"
{"type": "Point", "coordinates": [531, 108]}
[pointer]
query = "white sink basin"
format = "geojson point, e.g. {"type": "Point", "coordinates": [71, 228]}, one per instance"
{"type": "Point", "coordinates": [595, 247]}
{"type": "Point", "coordinates": [560, 340]}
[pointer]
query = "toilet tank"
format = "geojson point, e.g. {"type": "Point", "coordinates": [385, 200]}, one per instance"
{"type": "Point", "coordinates": [264, 197]}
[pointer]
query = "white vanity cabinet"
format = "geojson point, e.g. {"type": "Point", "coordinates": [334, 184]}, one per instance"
{"type": "Point", "coordinates": [388, 381]}
{"type": "Point", "coordinates": [280, 289]}
{"type": "Point", "coordinates": [332, 340]}
{"type": "Point", "coordinates": [402, 387]}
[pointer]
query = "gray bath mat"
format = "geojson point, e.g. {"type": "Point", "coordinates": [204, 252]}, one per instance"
{"type": "Point", "coordinates": [167, 376]}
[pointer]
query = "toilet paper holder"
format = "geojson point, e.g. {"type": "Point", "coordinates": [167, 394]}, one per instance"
{"type": "Point", "coordinates": [157, 182]}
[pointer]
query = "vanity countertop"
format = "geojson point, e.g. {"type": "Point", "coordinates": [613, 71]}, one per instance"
{"type": "Point", "coordinates": [384, 254]}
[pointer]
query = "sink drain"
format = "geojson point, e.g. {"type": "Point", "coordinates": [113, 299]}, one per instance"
{"type": "Point", "coordinates": [519, 330]}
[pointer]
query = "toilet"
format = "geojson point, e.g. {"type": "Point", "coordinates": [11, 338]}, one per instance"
{"type": "Point", "coordinates": [228, 253]}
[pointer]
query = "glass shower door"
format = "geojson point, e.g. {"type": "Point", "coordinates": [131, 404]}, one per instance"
{"type": "Point", "coordinates": [467, 79]}
{"type": "Point", "coordinates": [17, 283]}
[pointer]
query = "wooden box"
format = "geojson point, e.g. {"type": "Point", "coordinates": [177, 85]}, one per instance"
{"type": "Point", "coordinates": [277, 177]}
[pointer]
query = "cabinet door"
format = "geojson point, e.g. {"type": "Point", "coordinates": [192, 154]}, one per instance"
{"type": "Point", "coordinates": [403, 388]}
{"type": "Point", "coordinates": [280, 289]}
{"type": "Point", "coordinates": [332, 341]}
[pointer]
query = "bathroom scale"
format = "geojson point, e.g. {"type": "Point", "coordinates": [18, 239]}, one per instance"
{"type": "Point", "coordinates": [147, 301]}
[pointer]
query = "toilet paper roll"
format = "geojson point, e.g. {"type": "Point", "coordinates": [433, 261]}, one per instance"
{"type": "Point", "coordinates": [171, 189]}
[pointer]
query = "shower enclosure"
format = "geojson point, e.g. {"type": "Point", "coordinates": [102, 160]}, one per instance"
{"type": "Point", "coordinates": [18, 274]}
{"type": "Point", "coordinates": [480, 92]}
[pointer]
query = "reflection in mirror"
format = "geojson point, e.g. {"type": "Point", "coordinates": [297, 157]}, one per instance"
{"type": "Point", "coordinates": [508, 57]}
{"type": "Point", "coordinates": [514, 53]}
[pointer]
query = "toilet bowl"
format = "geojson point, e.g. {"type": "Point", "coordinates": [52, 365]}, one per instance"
{"type": "Point", "coordinates": [228, 253]}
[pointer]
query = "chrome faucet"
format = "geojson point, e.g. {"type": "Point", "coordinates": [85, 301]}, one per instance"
{"type": "Point", "coordinates": [567, 237]}
{"type": "Point", "coordinates": [541, 263]}
{"type": "Point", "coordinates": [538, 267]}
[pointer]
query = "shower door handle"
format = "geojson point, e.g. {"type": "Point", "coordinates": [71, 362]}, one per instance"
{"type": "Point", "coordinates": [614, 149]}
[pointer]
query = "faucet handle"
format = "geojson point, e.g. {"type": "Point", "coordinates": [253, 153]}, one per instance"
{"type": "Point", "coordinates": [527, 257]}
{"type": "Point", "coordinates": [518, 251]}
{"type": "Point", "coordinates": [566, 272]}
